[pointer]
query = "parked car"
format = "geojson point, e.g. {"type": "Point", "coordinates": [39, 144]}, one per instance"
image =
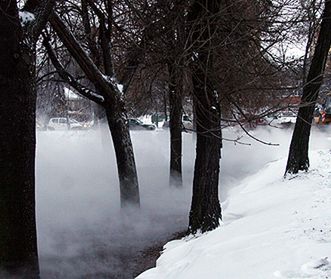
{"type": "Point", "coordinates": [136, 124]}
{"type": "Point", "coordinates": [253, 121]}
{"type": "Point", "coordinates": [187, 123]}
{"type": "Point", "coordinates": [286, 118]}
{"type": "Point", "coordinates": [63, 123]}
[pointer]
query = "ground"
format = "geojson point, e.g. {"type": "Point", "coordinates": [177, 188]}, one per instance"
{"type": "Point", "coordinates": [273, 227]}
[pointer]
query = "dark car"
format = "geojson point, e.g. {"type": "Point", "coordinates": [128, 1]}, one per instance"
{"type": "Point", "coordinates": [136, 124]}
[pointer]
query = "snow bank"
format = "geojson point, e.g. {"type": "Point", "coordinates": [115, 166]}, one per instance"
{"type": "Point", "coordinates": [272, 228]}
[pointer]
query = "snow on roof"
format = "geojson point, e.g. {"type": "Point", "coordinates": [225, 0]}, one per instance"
{"type": "Point", "coordinates": [70, 95]}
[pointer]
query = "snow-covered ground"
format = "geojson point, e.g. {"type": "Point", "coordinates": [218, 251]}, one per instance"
{"type": "Point", "coordinates": [272, 228]}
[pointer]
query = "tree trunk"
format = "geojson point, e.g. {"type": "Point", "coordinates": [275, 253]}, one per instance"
{"type": "Point", "coordinates": [205, 208]}
{"type": "Point", "coordinates": [298, 159]}
{"type": "Point", "coordinates": [175, 104]}
{"type": "Point", "coordinates": [18, 238]}
{"type": "Point", "coordinates": [115, 114]}
{"type": "Point", "coordinates": [126, 166]}
{"type": "Point", "coordinates": [165, 111]}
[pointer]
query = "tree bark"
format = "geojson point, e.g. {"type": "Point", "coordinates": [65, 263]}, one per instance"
{"type": "Point", "coordinates": [298, 159]}
{"type": "Point", "coordinates": [205, 208]}
{"type": "Point", "coordinates": [175, 63]}
{"type": "Point", "coordinates": [18, 237]}
{"type": "Point", "coordinates": [175, 104]}
{"type": "Point", "coordinates": [126, 166]}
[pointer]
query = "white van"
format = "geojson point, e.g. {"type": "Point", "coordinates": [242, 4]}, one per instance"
{"type": "Point", "coordinates": [62, 123]}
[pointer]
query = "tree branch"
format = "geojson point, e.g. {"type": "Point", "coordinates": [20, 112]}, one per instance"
{"type": "Point", "coordinates": [67, 77]}
{"type": "Point", "coordinates": [41, 10]}
{"type": "Point", "coordinates": [107, 87]}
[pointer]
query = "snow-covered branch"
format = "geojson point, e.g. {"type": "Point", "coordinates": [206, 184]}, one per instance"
{"type": "Point", "coordinates": [67, 77]}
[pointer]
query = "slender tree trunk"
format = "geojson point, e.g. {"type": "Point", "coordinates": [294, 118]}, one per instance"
{"type": "Point", "coordinates": [176, 86]}
{"type": "Point", "coordinates": [298, 159]}
{"type": "Point", "coordinates": [205, 208]}
{"type": "Point", "coordinates": [165, 111]}
{"type": "Point", "coordinates": [175, 104]}
{"type": "Point", "coordinates": [18, 238]}
{"type": "Point", "coordinates": [115, 115]}
{"type": "Point", "coordinates": [126, 166]}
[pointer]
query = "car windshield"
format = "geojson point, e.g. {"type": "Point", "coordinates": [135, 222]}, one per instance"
{"type": "Point", "coordinates": [73, 121]}
{"type": "Point", "coordinates": [186, 118]}
{"type": "Point", "coordinates": [288, 114]}
{"type": "Point", "coordinates": [135, 121]}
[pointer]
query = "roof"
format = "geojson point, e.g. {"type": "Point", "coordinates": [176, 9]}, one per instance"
{"type": "Point", "coordinates": [70, 95]}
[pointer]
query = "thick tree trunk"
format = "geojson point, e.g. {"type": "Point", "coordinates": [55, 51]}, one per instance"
{"type": "Point", "coordinates": [205, 208]}
{"type": "Point", "coordinates": [298, 159]}
{"type": "Point", "coordinates": [18, 239]}
{"type": "Point", "coordinates": [175, 104]}
{"type": "Point", "coordinates": [126, 166]}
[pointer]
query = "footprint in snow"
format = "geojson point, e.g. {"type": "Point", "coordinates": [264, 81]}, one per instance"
{"type": "Point", "coordinates": [315, 269]}
{"type": "Point", "coordinates": [314, 266]}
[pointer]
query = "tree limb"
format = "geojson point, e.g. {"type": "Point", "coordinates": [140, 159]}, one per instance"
{"type": "Point", "coordinates": [41, 9]}
{"type": "Point", "coordinates": [67, 77]}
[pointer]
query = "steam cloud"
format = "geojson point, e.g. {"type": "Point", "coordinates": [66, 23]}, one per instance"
{"type": "Point", "coordinates": [82, 233]}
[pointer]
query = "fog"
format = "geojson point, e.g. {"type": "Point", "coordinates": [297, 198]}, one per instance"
{"type": "Point", "coordinates": [82, 233]}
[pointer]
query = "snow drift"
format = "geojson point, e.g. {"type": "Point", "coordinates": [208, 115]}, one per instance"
{"type": "Point", "coordinates": [272, 228]}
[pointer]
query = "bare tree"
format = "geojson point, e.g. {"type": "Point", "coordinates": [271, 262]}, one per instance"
{"type": "Point", "coordinates": [107, 94]}
{"type": "Point", "coordinates": [229, 71]}
{"type": "Point", "coordinates": [205, 209]}
{"type": "Point", "coordinates": [298, 159]}
{"type": "Point", "coordinates": [173, 43]}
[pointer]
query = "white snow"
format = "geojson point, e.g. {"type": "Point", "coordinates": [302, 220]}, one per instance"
{"type": "Point", "coordinates": [70, 95]}
{"type": "Point", "coordinates": [113, 80]}
{"type": "Point", "coordinates": [26, 17]}
{"type": "Point", "coordinates": [272, 228]}
{"type": "Point", "coordinates": [119, 87]}
{"type": "Point", "coordinates": [101, 98]}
